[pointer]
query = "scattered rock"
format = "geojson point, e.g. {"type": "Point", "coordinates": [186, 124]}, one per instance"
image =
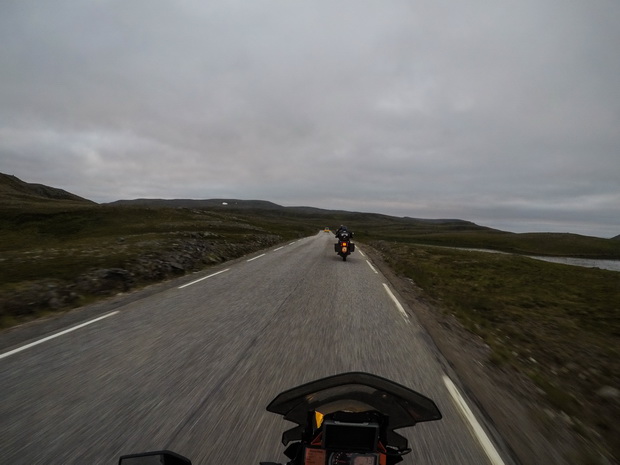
{"type": "Point", "coordinates": [609, 393]}
{"type": "Point", "coordinates": [177, 266]}
{"type": "Point", "coordinates": [185, 253]}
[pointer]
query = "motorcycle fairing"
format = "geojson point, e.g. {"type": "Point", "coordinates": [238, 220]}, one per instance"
{"type": "Point", "coordinates": [354, 392]}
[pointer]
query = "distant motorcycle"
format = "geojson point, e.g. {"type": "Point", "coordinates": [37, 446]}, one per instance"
{"type": "Point", "coordinates": [346, 419]}
{"type": "Point", "coordinates": [344, 247]}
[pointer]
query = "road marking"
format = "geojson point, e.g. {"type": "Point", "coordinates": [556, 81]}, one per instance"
{"type": "Point", "coordinates": [398, 305]}
{"type": "Point", "coordinates": [482, 437]}
{"type": "Point", "coordinates": [202, 279]}
{"type": "Point", "coordinates": [372, 267]}
{"type": "Point", "coordinates": [53, 336]}
{"type": "Point", "coordinates": [278, 248]}
{"type": "Point", "coordinates": [261, 255]}
{"type": "Point", "coordinates": [292, 243]}
{"type": "Point", "coordinates": [358, 249]}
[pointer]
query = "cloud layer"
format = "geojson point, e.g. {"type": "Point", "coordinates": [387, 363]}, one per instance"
{"type": "Point", "coordinates": [505, 114]}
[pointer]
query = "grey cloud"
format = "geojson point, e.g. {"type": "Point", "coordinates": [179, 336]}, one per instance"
{"type": "Point", "coordinates": [442, 108]}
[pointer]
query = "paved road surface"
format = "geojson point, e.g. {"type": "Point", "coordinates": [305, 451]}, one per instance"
{"type": "Point", "coordinates": [191, 368]}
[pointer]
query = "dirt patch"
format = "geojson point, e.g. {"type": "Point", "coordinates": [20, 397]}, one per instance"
{"type": "Point", "coordinates": [532, 430]}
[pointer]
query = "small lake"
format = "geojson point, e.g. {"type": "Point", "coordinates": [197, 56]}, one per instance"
{"type": "Point", "coordinates": [612, 265]}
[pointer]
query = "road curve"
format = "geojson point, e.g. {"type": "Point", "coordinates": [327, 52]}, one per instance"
{"type": "Point", "coordinates": [192, 367]}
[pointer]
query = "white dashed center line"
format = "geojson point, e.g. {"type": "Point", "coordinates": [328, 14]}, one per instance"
{"type": "Point", "coordinates": [202, 279]}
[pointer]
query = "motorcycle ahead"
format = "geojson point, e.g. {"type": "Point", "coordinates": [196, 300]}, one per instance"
{"type": "Point", "coordinates": [344, 247]}
{"type": "Point", "coordinates": [346, 419]}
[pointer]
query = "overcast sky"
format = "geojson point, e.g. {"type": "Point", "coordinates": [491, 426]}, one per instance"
{"type": "Point", "coordinates": [506, 113]}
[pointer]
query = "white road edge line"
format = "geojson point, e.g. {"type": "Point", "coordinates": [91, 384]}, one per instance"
{"type": "Point", "coordinates": [202, 279]}
{"type": "Point", "coordinates": [53, 336]}
{"type": "Point", "coordinates": [372, 267]}
{"type": "Point", "coordinates": [278, 248]}
{"type": "Point", "coordinates": [482, 437]}
{"type": "Point", "coordinates": [292, 243]}
{"type": "Point", "coordinates": [398, 305]}
{"type": "Point", "coordinates": [252, 259]}
{"type": "Point", "coordinates": [358, 249]}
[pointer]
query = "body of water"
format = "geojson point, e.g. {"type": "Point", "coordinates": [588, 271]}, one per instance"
{"type": "Point", "coordinates": [613, 265]}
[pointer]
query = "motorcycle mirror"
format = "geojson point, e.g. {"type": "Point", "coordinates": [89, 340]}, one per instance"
{"type": "Point", "coordinates": [160, 457]}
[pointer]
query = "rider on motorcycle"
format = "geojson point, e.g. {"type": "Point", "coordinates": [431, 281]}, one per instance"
{"type": "Point", "coordinates": [343, 233]}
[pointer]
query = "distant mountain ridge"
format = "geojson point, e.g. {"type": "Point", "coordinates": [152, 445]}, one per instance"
{"type": "Point", "coordinates": [206, 203]}
{"type": "Point", "coordinates": [238, 204]}
{"type": "Point", "coordinates": [13, 191]}
{"type": "Point", "coordinates": [16, 193]}
{"type": "Point", "coordinates": [234, 204]}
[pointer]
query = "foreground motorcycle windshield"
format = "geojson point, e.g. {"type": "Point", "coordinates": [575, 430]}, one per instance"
{"type": "Point", "coordinates": [356, 392]}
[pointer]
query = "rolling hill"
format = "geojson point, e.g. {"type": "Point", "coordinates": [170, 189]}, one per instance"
{"type": "Point", "coordinates": [14, 192]}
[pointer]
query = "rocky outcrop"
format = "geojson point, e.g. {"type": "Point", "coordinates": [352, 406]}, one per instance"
{"type": "Point", "coordinates": [191, 252]}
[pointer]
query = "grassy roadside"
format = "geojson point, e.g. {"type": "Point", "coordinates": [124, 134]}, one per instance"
{"type": "Point", "coordinates": [54, 258]}
{"type": "Point", "coordinates": [559, 325]}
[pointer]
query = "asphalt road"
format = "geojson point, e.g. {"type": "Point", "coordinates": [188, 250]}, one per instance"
{"type": "Point", "coordinates": [192, 367]}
